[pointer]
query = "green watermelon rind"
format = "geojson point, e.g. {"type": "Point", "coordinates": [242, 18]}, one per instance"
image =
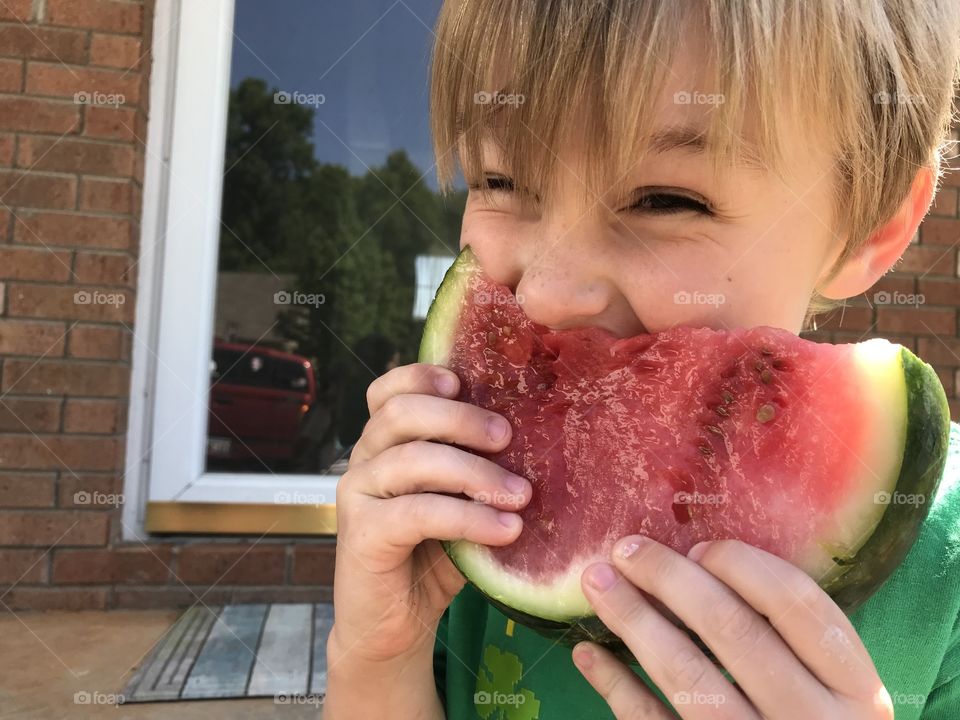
{"type": "Point", "coordinates": [863, 572]}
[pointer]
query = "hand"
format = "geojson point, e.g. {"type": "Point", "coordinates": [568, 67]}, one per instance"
{"type": "Point", "coordinates": [792, 651]}
{"type": "Point", "coordinates": [392, 579]}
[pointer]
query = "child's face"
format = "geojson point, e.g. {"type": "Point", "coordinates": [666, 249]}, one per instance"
{"type": "Point", "coordinates": [756, 261]}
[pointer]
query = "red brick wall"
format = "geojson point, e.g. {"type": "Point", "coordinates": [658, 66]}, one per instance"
{"type": "Point", "coordinates": [70, 196]}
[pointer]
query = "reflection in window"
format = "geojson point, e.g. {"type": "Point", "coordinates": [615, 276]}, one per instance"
{"type": "Point", "coordinates": [333, 238]}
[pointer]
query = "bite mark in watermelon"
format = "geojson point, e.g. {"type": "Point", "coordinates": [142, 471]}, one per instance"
{"type": "Point", "coordinates": [825, 455]}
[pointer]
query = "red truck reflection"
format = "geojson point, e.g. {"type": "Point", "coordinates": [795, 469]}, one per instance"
{"type": "Point", "coordinates": [258, 399]}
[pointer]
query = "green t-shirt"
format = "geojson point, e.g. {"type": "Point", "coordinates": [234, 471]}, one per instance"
{"type": "Point", "coordinates": [487, 667]}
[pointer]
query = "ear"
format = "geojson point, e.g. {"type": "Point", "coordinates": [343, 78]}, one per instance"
{"type": "Point", "coordinates": [885, 246]}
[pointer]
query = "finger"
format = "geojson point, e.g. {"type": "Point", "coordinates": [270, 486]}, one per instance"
{"type": "Point", "coordinates": [617, 684]}
{"type": "Point", "coordinates": [424, 417]}
{"type": "Point", "coordinates": [408, 520]}
{"type": "Point", "coordinates": [736, 633]}
{"type": "Point", "coordinates": [421, 378]}
{"type": "Point", "coordinates": [423, 466]}
{"type": "Point", "coordinates": [681, 671]}
{"type": "Point", "coordinates": [812, 624]}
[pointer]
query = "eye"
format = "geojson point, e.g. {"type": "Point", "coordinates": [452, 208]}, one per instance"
{"type": "Point", "coordinates": [495, 183]}
{"type": "Point", "coordinates": [665, 203]}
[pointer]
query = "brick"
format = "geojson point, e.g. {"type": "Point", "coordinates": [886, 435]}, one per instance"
{"type": "Point", "coordinates": [29, 189]}
{"type": "Point", "coordinates": [917, 321]}
{"type": "Point", "coordinates": [178, 596]}
{"type": "Point", "coordinates": [313, 564]}
{"type": "Point", "coordinates": [74, 156]}
{"type": "Point", "coordinates": [94, 416]}
{"type": "Point", "coordinates": [62, 81]}
{"type": "Point", "coordinates": [848, 318]}
{"type": "Point", "coordinates": [59, 452]}
{"type": "Point", "coordinates": [951, 179]}
{"type": "Point", "coordinates": [40, 116]}
{"type": "Point", "coordinates": [108, 15]}
{"type": "Point", "coordinates": [70, 303]}
{"type": "Point", "coordinates": [46, 527]}
{"type": "Point", "coordinates": [112, 196]}
{"type": "Point", "coordinates": [110, 123]}
{"type": "Point", "coordinates": [41, 43]}
{"type": "Point", "coordinates": [60, 598]}
{"type": "Point", "coordinates": [16, 10]}
{"type": "Point", "coordinates": [11, 76]}
{"type": "Point", "coordinates": [939, 350]}
{"type": "Point", "coordinates": [891, 284]}
{"type": "Point", "coordinates": [929, 259]}
{"type": "Point", "coordinates": [20, 263]}
{"type": "Point", "coordinates": [24, 337]}
{"type": "Point", "coordinates": [20, 489]}
{"type": "Point", "coordinates": [76, 490]}
{"type": "Point", "coordinates": [104, 269]}
{"type": "Point", "coordinates": [65, 377]}
{"type": "Point", "coordinates": [940, 292]}
{"type": "Point", "coordinates": [29, 414]}
{"type": "Point", "coordinates": [97, 342]}
{"type": "Point", "coordinates": [23, 566]}
{"type": "Point", "coordinates": [940, 231]}
{"type": "Point", "coordinates": [132, 566]}
{"type": "Point", "coordinates": [232, 564]}
{"type": "Point", "coordinates": [946, 202]}
{"type": "Point", "coordinates": [66, 230]}
{"type": "Point", "coordinates": [115, 51]}
{"type": "Point", "coordinates": [7, 146]}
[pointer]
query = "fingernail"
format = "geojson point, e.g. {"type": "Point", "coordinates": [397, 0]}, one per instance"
{"type": "Point", "coordinates": [445, 384]}
{"type": "Point", "coordinates": [497, 428]}
{"type": "Point", "coordinates": [516, 484]}
{"type": "Point", "coordinates": [583, 657]}
{"type": "Point", "coordinates": [629, 545]}
{"type": "Point", "coordinates": [601, 576]}
{"type": "Point", "coordinates": [508, 519]}
{"type": "Point", "coordinates": [698, 550]}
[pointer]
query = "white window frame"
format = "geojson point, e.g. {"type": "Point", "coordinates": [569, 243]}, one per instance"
{"type": "Point", "coordinates": [180, 229]}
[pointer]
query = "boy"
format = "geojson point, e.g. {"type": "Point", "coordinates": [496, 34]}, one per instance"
{"type": "Point", "coordinates": [780, 153]}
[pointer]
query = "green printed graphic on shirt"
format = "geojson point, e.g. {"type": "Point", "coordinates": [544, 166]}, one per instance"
{"type": "Point", "coordinates": [498, 695]}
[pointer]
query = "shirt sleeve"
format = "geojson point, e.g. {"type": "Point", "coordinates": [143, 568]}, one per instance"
{"type": "Point", "coordinates": [440, 657]}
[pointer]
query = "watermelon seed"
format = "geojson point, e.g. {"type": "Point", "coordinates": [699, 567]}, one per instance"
{"type": "Point", "coordinates": [714, 429]}
{"type": "Point", "coordinates": [727, 396]}
{"type": "Point", "coordinates": [766, 413]}
{"type": "Point", "coordinates": [759, 366]}
{"type": "Point", "coordinates": [766, 351]}
{"type": "Point", "coordinates": [779, 364]}
{"type": "Point", "coordinates": [766, 377]}
{"type": "Point", "coordinates": [721, 410]}
{"type": "Point", "coordinates": [705, 450]}
{"type": "Point", "coordinates": [507, 330]}
{"type": "Point", "coordinates": [491, 338]}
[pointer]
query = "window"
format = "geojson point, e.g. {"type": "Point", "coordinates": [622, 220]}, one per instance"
{"type": "Point", "coordinates": [293, 238]}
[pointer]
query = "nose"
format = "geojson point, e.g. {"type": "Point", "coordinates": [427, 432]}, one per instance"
{"type": "Point", "coordinates": [563, 284]}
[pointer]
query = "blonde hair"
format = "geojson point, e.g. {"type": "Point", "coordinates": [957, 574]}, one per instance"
{"type": "Point", "coordinates": [879, 75]}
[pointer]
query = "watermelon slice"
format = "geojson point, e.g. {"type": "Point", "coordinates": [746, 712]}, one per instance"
{"type": "Point", "coordinates": [825, 455]}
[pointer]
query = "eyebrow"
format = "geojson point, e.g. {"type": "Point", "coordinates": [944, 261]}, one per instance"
{"type": "Point", "coordinates": [694, 140]}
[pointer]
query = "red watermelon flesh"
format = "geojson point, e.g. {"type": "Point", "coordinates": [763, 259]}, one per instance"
{"type": "Point", "coordinates": [685, 435]}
